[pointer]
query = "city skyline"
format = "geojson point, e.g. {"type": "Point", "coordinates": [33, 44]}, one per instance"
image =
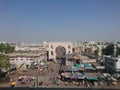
{"type": "Point", "coordinates": [59, 20]}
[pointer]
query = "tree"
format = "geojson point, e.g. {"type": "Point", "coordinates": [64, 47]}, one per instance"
{"type": "Point", "coordinates": [109, 50]}
{"type": "Point", "coordinates": [9, 49]}
{"type": "Point", "coordinates": [2, 47]}
{"type": "Point", "coordinates": [4, 61]}
{"type": "Point", "coordinates": [6, 48]}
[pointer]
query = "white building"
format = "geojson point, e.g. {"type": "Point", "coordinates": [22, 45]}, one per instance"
{"type": "Point", "coordinates": [27, 58]}
{"type": "Point", "coordinates": [112, 64]}
{"type": "Point", "coordinates": [31, 46]}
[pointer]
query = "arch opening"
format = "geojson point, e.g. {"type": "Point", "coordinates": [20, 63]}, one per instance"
{"type": "Point", "coordinates": [60, 52]}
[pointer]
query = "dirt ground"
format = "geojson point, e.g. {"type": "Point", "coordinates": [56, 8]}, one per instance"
{"type": "Point", "coordinates": [47, 76]}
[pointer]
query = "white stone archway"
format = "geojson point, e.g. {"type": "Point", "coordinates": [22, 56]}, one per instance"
{"type": "Point", "coordinates": [53, 45]}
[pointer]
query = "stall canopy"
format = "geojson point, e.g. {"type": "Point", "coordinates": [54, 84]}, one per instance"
{"type": "Point", "coordinates": [73, 76]}
{"type": "Point", "coordinates": [74, 69]}
{"type": "Point", "coordinates": [79, 65]}
{"type": "Point", "coordinates": [80, 75]}
{"type": "Point", "coordinates": [66, 75]}
{"type": "Point", "coordinates": [88, 66]}
{"type": "Point", "coordinates": [91, 76]}
{"type": "Point", "coordinates": [13, 83]}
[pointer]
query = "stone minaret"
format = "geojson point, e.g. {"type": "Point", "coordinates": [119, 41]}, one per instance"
{"type": "Point", "coordinates": [99, 51]}
{"type": "Point", "coordinates": [115, 49]}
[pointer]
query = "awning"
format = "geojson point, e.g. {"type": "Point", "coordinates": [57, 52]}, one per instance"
{"type": "Point", "coordinates": [79, 65]}
{"type": "Point", "coordinates": [74, 69]}
{"type": "Point", "coordinates": [88, 67]}
{"type": "Point", "coordinates": [80, 76]}
{"type": "Point", "coordinates": [13, 83]}
{"type": "Point", "coordinates": [91, 78]}
{"type": "Point", "coordinates": [46, 63]}
{"type": "Point", "coordinates": [66, 75]}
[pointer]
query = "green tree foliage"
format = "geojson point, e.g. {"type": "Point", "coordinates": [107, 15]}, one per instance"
{"type": "Point", "coordinates": [2, 47]}
{"type": "Point", "coordinates": [9, 49]}
{"type": "Point", "coordinates": [4, 61]}
{"type": "Point", "coordinates": [109, 50]}
{"type": "Point", "coordinates": [6, 48]}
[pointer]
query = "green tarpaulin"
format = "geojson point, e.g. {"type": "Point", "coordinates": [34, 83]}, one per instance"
{"type": "Point", "coordinates": [87, 65]}
{"type": "Point", "coordinates": [79, 65]}
{"type": "Point", "coordinates": [92, 78]}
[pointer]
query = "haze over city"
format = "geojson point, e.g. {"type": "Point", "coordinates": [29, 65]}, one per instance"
{"type": "Point", "coordinates": [59, 20]}
{"type": "Point", "coordinates": [64, 44]}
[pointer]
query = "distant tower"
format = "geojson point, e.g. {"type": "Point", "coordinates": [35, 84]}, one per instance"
{"type": "Point", "coordinates": [99, 51]}
{"type": "Point", "coordinates": [115, 48]}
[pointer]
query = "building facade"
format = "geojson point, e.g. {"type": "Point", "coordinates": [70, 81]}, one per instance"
{"type": "Point", "coordinates": [31, 46]}
{"type": "Point", "coordinates": [112, 64]}
{"type": "Point", "coordinates": [52, 48]}
{"type": "Point", "coordinates": [19, 58]}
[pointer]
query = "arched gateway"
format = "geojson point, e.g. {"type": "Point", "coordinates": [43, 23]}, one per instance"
{"type": "Point", "coordinates": [60, 52]}
{"type": "Point", "coordinates": [59, 49]}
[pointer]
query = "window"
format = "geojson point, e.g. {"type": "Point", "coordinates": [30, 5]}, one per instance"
{"type": "Point", "coordinates": [116, 60]}
{"type": "Point", "coordinates": [12, 59]}
{"type": "Point", "coordinates": [51, 46]}
{"type": "Point", "coordinates": [69, 46]}
{"type": "Point", "coordinates": [68, 51]}
{"type": "Point", "coordinates": [51, 52]}
{"type": "Point", "coordinates": [31, 59]}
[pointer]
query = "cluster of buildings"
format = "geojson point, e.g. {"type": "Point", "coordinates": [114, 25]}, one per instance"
{"type": "Point", "coordinates": [40, 46]}
{"type": "Point", "coordinates": [91, 46]}
{"type": "Point", "coordinates": [36, 52]}
{"type": "Point", "coordinates": [28, 53]}
{"type": "Point", "coordinates": [27, 57]}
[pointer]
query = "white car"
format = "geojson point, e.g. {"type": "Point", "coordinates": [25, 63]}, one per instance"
{"type": "Point", "coordinates": [33, 78]}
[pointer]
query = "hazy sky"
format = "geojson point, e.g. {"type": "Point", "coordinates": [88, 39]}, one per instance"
{"type": "Point", "coordinates": [59, 20]}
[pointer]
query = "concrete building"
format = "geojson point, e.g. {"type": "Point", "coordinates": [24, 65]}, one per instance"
{"type": "Point", "coordinates": [53, 46]}
{"type": "Point", "coordinates": [26, 57]}
{"type": "Point", "coordinates": [31, 46]}
{"type": "Point", "coordinates": [112, 64]}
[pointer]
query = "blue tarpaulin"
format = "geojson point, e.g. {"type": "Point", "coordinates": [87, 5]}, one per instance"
{"type": "Point", "coordinates": [74, 69]}
{"type": "Point", "coordinates": [88, 67]}
{"type": "Point", "coordinates": [80, 76]}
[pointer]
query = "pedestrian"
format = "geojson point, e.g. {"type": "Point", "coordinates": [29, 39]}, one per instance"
{"type": "Point", "coordinates": [34, 84]}
{"type": "Point", "coordinates": [39, 83]}
{"type": "Point", "coordinates": [78, 83]}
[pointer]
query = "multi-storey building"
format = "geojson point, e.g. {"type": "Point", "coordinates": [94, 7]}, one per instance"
{"type": "Point", "coordinates": [25, 57]}
{"type": "Point", "coordinates": [112, 63]}
{"type": "Point", "coordinates": [31, 46]}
